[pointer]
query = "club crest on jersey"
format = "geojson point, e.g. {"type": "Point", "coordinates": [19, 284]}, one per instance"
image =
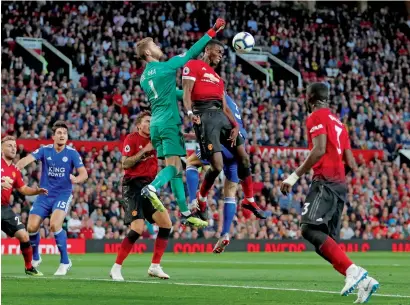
{"type": "Point", "coordinates": [13, 174]}
{"type": "Point", "coordinates": [186, 71]}
{"type": "Point", "coordinates": [210, 146]}
{"type": "Point", "coordinates": [134, 213]}
{"type": "Point", "coordinates": [127, 148]}
{"type": "Point", "coordinates": [65, 159]}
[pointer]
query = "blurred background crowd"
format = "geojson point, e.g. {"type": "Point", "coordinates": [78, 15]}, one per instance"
{"type": "Point", "coordinates": [362, 56]}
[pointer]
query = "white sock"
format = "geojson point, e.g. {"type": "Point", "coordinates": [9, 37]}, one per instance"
{"type": "Point", "coordinates": [118, 266]}
{"type": "Point", "coordinates": [154, 265]}
{"type": "Point", "coordinates": [152, 187]}
{"type": "Point", "coordinates": [250, 199]}
{"type": "Point", "coordinates": [351, 269]}
{"type": "Point", "coordinates": [187, 213]}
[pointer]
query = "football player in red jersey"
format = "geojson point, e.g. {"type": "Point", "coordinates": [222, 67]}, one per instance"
{"type": "Point", "coordinates": [10, 222]}
{"type": "Point", "coordinates": [140, 163]}
{"type": "Point", "coordinates": [329, 146]}
{"type": "Point", "coordinates": [214, 123]}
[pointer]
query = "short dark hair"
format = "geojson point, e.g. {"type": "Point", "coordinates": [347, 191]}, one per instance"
{"type": "Point", "coordinates": [318, 92]}
{"type": "Point", "coordinates": [59, 124]}
{"type": "Point", "coordinates": [140, 116]}
{"type": "Point", "coordinates": [214, 42]}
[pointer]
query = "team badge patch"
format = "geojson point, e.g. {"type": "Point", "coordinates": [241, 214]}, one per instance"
{"type": "Point", "coordinates": [127, 148]}
{"type": "Point", "coordinates": [14, 174]}
{"type": "Point", "coordinates": [134, 213]}
{"type": "Point", "coordinates": [185, 71]}
{"type": "Point", "coordinates": [210, 146]}
{"type": "Point", "coordinates": [65, 159]}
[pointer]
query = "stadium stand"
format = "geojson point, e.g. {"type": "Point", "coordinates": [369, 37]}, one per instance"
{"type": "Point", "coordinates": [364, 61]}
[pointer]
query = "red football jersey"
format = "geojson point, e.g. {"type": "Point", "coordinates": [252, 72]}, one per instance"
{"type": "Point", "coordinates": [208, 85]}
{"type": "Point", "coordinates": [14, 174]}
{"type": "Point", "coordinates": [146, 168]}
{"type": "Point", "coordinates": [330, 167]}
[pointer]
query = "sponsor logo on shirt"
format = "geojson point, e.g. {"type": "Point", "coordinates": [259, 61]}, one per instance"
{"type": "Point", "coordinates": [317, 127]}
{"type": "Point", "coordinates": [56, 171]}
{"type": "Point", "coordinates": [208, 77]}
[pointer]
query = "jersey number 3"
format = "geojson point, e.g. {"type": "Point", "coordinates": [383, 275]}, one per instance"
{"type": "Point", "coordinates": [151, 84]}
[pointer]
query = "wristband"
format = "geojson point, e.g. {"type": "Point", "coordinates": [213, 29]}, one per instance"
{"type": "Point", "coordinates": [211, 32]}
{"type": "Point", "coordinates": [190, 113]}
{"type": "Point", "coordinates": [235, 124]}
{"type": "Point", "coordinates": [292, 179]}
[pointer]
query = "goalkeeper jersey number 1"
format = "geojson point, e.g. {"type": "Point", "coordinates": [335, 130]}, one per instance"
{"type": "Point", "coordinates": [159, 82]}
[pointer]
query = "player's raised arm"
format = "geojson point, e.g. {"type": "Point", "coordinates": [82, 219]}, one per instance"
{"type": "Point", "coordinates": [348, 157]}
{"type": "Point", "coordinates": [31, 191]}
{"type": "Point", "coordinates": [22, 163]}
{"type": "Point", "coordinates": [179, 61]}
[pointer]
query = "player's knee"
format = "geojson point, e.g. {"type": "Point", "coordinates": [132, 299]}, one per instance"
{"type": "Point", "coordinates": [55, 227]}
{"type": "Point", "coordinates": [217, 167]}
{"type": "Point", "coordinates": [245, 161]}
{"type": "Point", "coordinates": [32, 227]}
{"type": "Point", "coordinates": [22, 236]}
{"type": "Point", "coordinates": [230, 189]}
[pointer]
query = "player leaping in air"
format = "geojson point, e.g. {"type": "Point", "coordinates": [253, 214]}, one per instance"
{"type": "Point", "coordinates": [329, 145]}
{"type": "Point", "coordinates": [159, 82]}
{"type": "Point", "coordinates": [58, 162]}
{"type": "Point", "coordinates": [215, 125]}
{"type": "Point", "coordinates": [10, 222]}
{"type": "Point", "coordinates": [230, 169]}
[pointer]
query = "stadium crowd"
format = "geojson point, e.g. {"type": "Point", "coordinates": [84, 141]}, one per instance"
{"type": "Point", "coordinates": [364, 58]}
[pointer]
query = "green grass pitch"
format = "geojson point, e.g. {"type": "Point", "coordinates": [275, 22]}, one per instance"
{"type": "Point", "coordinates": [229, 278]}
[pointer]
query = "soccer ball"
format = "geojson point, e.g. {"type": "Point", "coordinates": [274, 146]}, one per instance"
{"type": "Point", "coordinates": [243, 42]}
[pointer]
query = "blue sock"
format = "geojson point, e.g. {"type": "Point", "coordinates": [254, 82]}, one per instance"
{"type": "Point", "coordinates": [192, 180]}
{"type": "Point", "coordinates": [35, 241]}
{"type": "Point", "coordinates": [61, 241]}
{"type": "Point", "coordinates": [229, 214]}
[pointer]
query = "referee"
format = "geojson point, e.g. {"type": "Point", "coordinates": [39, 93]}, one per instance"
{"type": "Point", "coordinates": [140, 164]}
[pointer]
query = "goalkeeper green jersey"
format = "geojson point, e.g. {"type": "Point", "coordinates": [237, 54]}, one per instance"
{"type": "Point", "coordinates": [159, 82]}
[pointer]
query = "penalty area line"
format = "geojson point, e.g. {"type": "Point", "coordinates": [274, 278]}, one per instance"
{"type": "Point", "coordinates": [198, 284]}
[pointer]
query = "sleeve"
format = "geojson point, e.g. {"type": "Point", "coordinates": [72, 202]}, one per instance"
{"type": "Point", "coordinates": [190, 71]}
{"type": "Point", "coordinates": [38, 154]}
{"type": "Point", "coordinates": [129, 148]}
{"type": "Point", "coordinates": [78, 162]}
{"type": "Point", "coordinates": [180, 94]}
{"type": "Point", "coordinates": [315, 127]}
{"type": "Point", "coordinates": [179, 61]}
{"type": "Point", "coordinates": [18, 182]}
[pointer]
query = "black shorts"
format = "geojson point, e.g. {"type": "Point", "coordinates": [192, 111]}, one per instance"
{"type": "Point", "coordinates": [135, 205]}
{"type": "Point", "coordinates": [214, 130]}
{"type": "Point", "coordinates": [324, 206]}
{"type": "Point", "coordinates": [10, 222]}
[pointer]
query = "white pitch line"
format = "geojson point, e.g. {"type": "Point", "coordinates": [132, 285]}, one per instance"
{"type": "Point", "coordinates": [200, 284]}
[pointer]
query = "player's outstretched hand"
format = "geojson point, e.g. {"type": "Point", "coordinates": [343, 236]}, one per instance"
{"type": "Point", "coordinates": [219, 25]}
{"type": "Point", "coordinates": [73, 179]}
{"type": "Point", "coordinates": [285, 188]}
{"type": "Point", "coordinates": [6, 183]}
{"type": "Point", "coordinates": [41, 191]}
{"type": "Point", "coordinates": [195, 119]}
{"type": "Point", "coordinates": [234, 135]}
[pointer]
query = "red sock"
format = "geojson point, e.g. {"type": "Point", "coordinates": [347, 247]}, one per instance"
{"type": "Point", "coordinates": [247, 186]}
{"type": "Point", "coordinates": [207, 184]}
{"type": "Point", "coordinates": [125, 249]}
{"type": "Point", "coordinates": [28, 256]}
{"type": "Point", "coordinates": [159, 249]}
{"type": "Point", "coordinates": [331, 250]}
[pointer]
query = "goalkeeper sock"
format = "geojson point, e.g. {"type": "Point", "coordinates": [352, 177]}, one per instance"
{"type": "Point", "coordinates": [61, 241]}
{"type": "Point", "coordinates": [164, 176]}
{"type": "Point", "coordinates": [192, 180]}
{"type": "Point", "coordinates": [229, 214]}
{"type": "Point", "coordinates": [27, 252]}
{"type": "Point", "coordinates": [160, 245]}
{"type": "Point", "coordinates": [177, 186]}
{"type": "Point", "coordinates": [126, 246]}
{"type": "Point", "coordinates": [35, 241]}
